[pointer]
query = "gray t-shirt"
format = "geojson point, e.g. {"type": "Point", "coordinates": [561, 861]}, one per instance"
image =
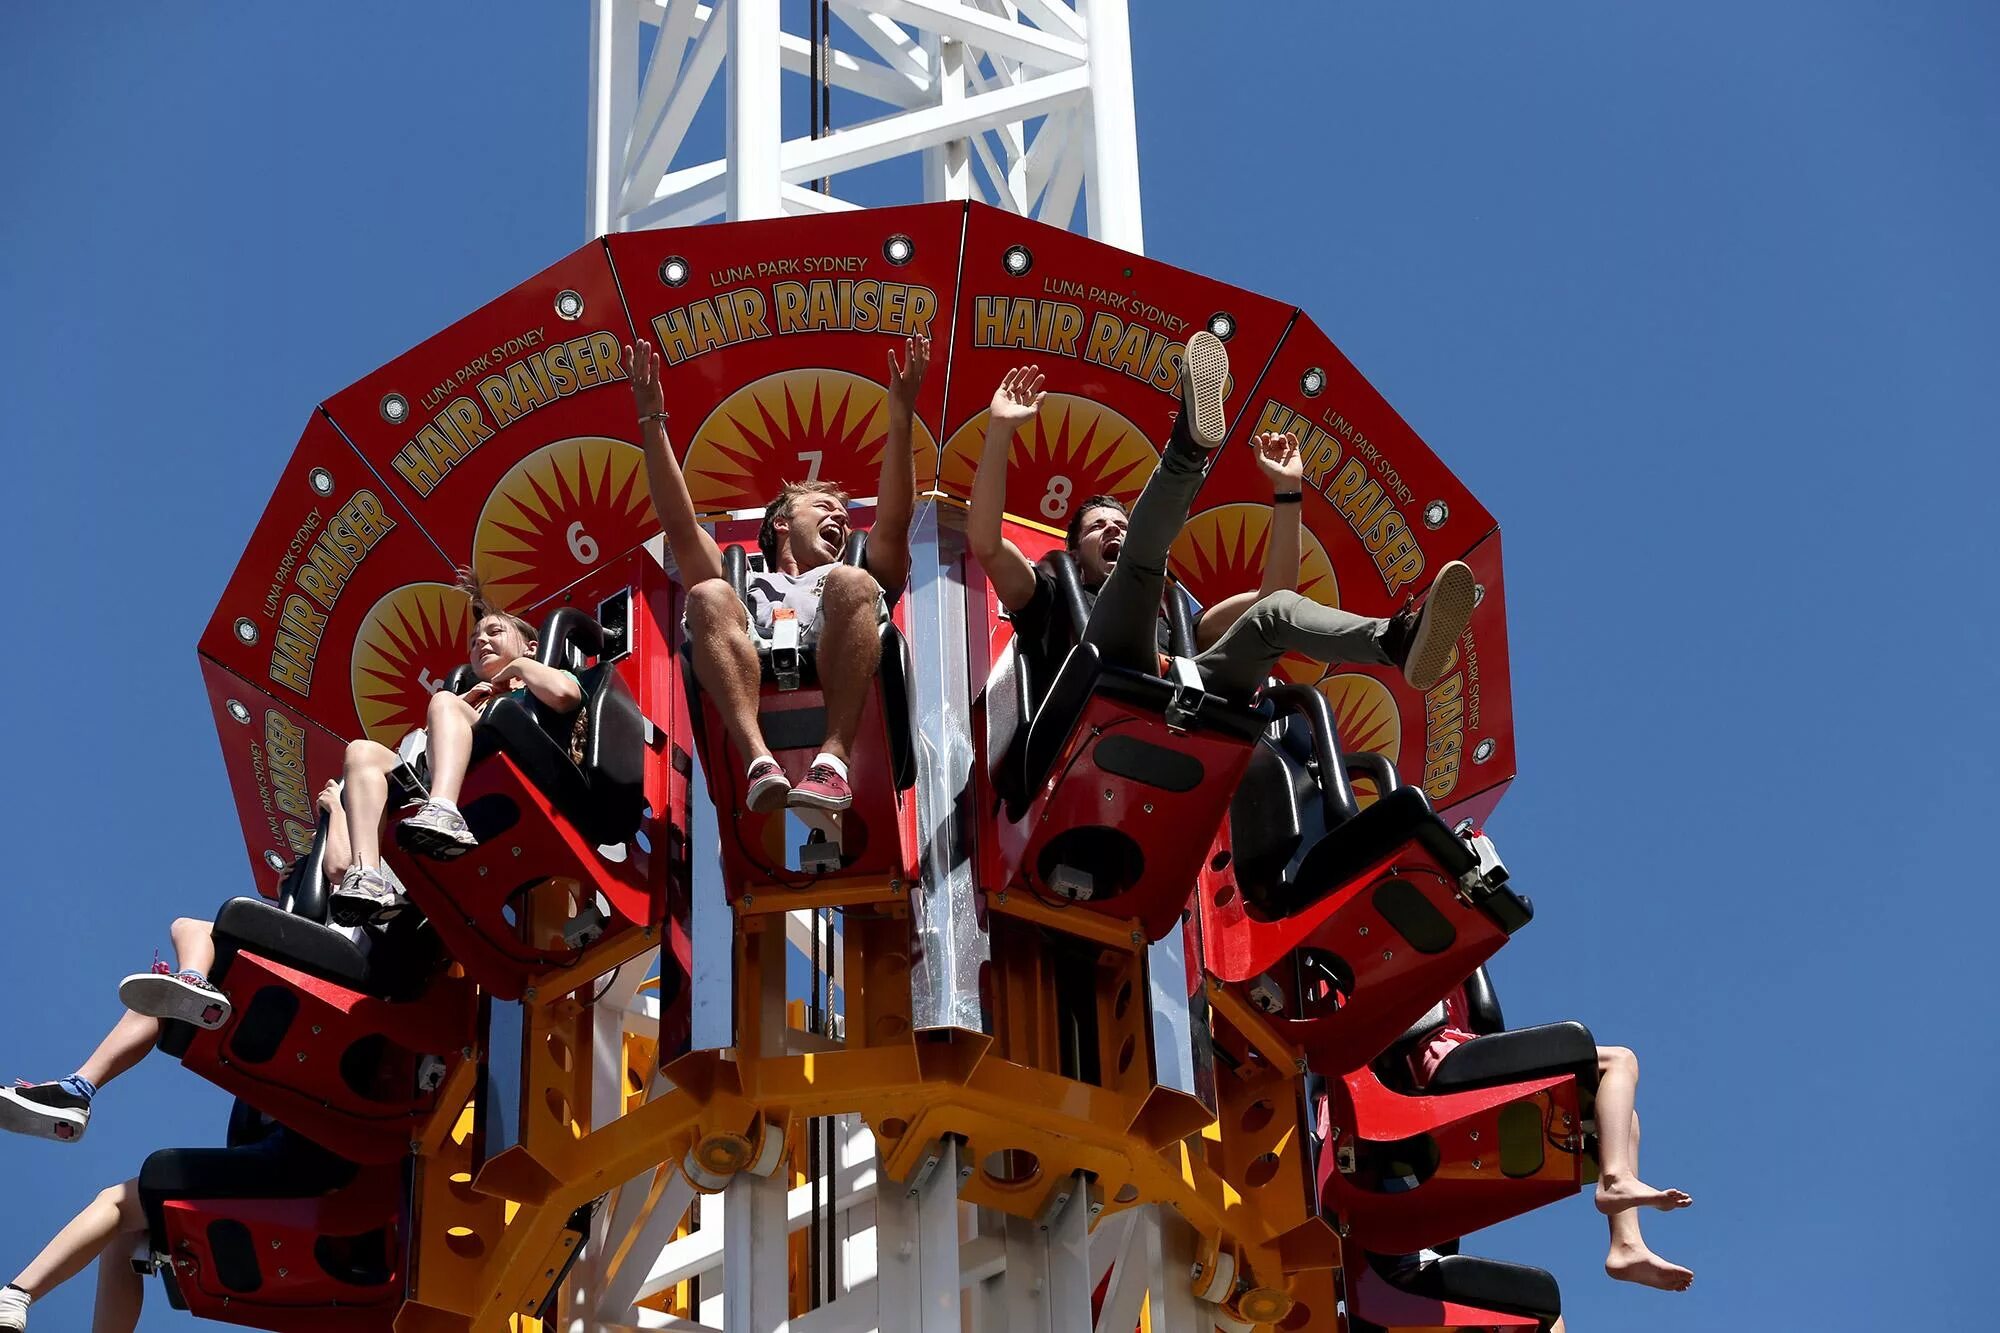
{"type": "Point", "coordinates": [771, 589]}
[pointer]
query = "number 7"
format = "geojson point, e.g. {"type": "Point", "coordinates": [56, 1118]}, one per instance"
{"type": "Point", "coordinates": [811, 457]}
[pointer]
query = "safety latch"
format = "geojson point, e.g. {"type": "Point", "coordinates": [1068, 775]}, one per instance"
{"type": "Point", "coordinates": [785, 647]}
{"type": "Point", "coordinates": [1185, 703]}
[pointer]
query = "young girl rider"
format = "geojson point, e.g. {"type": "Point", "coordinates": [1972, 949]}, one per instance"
{"type": "Point", "coordinates": [502, 653]}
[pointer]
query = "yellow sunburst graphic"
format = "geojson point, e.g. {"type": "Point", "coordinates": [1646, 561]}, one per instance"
{"type": "Point", "coordinates": [1072, 449]}
{"type": "Point", "coordinates": [1221, 553]}
{"type": "Point", "coordinates": [797, 425]}
{"type": "Point", "coordinates": [558, 514]}
{"type": "Point", "coordinates": [1365, 717]}
{"type": "Point", "coordinates": [408, 643]}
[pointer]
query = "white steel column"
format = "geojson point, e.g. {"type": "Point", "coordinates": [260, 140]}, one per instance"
{"type": "Point", "coordinates": [1113, 200]}
{"type": "Point", "coordinates": [755, 131]}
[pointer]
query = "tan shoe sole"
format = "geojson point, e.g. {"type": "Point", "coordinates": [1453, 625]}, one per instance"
{"type": "Point", "coordinates": [1204, 380]}
{"type": "Point", "coordinates": [1445, 613]}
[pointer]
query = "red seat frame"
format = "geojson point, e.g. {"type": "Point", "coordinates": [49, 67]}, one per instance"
{"type": "Point", "coordinates": [1468, 1189]}
{"type": "Point", "coordinates": [1394, 980]}
{"type": "Point", "coordinates": [300, 1083]}
{"type": "Point", "coordinates": [294, 1295]}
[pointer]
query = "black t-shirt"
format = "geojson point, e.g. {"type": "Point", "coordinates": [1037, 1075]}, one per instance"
{"type": "Point", "coordinates": [1044, 630]}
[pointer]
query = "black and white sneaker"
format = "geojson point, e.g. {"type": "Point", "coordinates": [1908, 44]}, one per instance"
{"type": "Point", "coordinates": [438, 831]}
{"type": "Point", "coordinates": [46, 1111]}
{"type": "Point", "coordinates": [181, 997]}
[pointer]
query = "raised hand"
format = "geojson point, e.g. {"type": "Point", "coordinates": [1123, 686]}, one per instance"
{"type": "Point", "coordinates": [642, 367]}
{"type": "Point", "coordinates": [906, 379]}
{"type": "Point", "coordinates": [1278, 459]}
{"type": "Point", "coordinates": [1019, 396]}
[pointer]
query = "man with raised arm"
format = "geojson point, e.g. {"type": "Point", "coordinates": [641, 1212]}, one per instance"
{"type": "Point", "coordinates": [840, 608]}
{"type": "Point", "coordinates": [1121, 559]}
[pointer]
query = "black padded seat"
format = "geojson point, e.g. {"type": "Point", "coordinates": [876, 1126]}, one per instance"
{"type": "Point", "coordinates": [1338, 857]}
{"type": "Point", "coordinates": [279, 1166]}
{"type": "Point", "coordinates": [1486, 1284]}
{"type": "Point", "coordinates": [1520, 1055]}
{"type": "Point", "coordinates": [396, 964]}
{"type": "Point", "coordinates": [604, 798]}
{"type": "Point", "coordinates": [265, 928]}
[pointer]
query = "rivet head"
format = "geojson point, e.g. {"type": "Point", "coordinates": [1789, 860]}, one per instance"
{"type": "Point", "coordinates": [1475, 1164]}
{"type": "Point", "coordinates": [1387, 954]}
{"type": "Point", "coordinates": [1148, 807]}
{"type": "Point", "coordinates": [1364, 930]}
{"type": "Point", "coordinates": [302, 1057]}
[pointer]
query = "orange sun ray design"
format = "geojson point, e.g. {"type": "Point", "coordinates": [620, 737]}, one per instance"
{"type": "Point", "coordinates": [1071, 450]}
{"type": "Point", "coordinates": [559, 513]}
{"type": "Point", "coordinates": [1221, 553]}
{"type": "Point", "coordinates": [797, 425]}
{"type": "Point", "coordinates": [410, 640]}
{"type": "Point", "coordinates": [1365, 717]}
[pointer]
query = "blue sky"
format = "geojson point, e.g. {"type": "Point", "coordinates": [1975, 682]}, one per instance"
{"type": "Point", "coordinates": [1697, 298]}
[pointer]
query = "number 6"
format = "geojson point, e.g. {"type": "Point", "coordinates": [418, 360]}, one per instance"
{"type": "Point", "coordinates": [581, 544]}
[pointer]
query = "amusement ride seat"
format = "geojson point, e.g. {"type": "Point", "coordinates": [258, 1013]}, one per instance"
{"type": "Point", "coordinates": [273, 1231]}
{"type": "Point", "coordinates": [1112, 782]}
{"type": "Point", "coordinates": [549, 802]}
{"type": "Point", "coordinates": [867, 852]}
{"type": "Point", "coordinates": [1435, 1290]}
{"type": "Point", "coordinates": [1504, 1126]}
{"type": "Point", "coordinates": [1344, 924]}
{"type": "Point", "coordinates": [347, 1043]}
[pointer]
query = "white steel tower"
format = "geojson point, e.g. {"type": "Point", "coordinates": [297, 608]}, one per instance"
{"type": "Point", "coordinates": [1028, 106]}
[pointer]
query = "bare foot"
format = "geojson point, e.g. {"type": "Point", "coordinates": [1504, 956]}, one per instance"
{"type": "Point", "coordinates": [1636, 1263]}
{"type": "Point", "coordinates": [1615, 1196]}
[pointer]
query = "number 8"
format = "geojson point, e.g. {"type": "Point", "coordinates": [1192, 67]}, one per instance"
{"type": "Point", "coordinates": [1056, 502]}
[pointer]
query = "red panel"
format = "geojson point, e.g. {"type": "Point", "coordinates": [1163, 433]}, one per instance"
{"type": "Point", "coordinates": [340, 608]}
{"type": "Point", "coordinates": [775, 337]}
{"type": "Point", "coordinates": [277, 761]}
{"type": "Point", "coordinates": [1468, 1190]}
{"type": "Point", "coordinates": [1373, 1299]}
{"type": "Point", "coordinates": [1108, 329]}
{"type": "Point", "coordinates": [511, 435]}
{"type": "Point", "coordinates": [302, 1083]}
{"type": "Point", "coordinates": [1384, 509]}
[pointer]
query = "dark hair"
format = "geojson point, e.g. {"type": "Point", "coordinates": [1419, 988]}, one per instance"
{"type": "Point", "coordinates": [767, 536]}
{"type": "Point", "coordinates": [482, 606]}
{"type": "Point", "coordinates": [1094, 502]}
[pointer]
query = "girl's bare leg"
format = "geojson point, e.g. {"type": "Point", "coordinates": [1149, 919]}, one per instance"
{"type": "Point", "coordinates": [133, 1035]}
{"type": "Point", "coordinates": [449, 745]}
{"type": "Point", "coordinates": [120, 1293]}
{"type": "Point", "coordinates": [1630, 1259]}
{"type": "Point", "coordinates": [339, 852]}
{"type": "Point", "coordinates": [1618, 1185]}
{"type": "Point", "coordinates": [113, 1213]}
{"type": "Point", "coordinates": [364, 795]}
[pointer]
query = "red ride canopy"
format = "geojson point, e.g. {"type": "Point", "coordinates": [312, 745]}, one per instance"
{"type": "Point", "coordinates": [507, 442]}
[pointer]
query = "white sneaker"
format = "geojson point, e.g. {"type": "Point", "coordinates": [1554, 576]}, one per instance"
{"type": "Point", "coordinates": [437, 830]}
{"type": "Point", "coordinates": [13, 1309]}
{"type": "Point", "coordinates": [365, 897]}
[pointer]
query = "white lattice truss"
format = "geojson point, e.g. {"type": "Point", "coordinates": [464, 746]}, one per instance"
{"type": "Point", "coordinates": [1026, 104]}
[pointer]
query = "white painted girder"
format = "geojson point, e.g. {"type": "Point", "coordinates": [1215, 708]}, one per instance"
{"type": "Point", "coordinates": [1020, 85]}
